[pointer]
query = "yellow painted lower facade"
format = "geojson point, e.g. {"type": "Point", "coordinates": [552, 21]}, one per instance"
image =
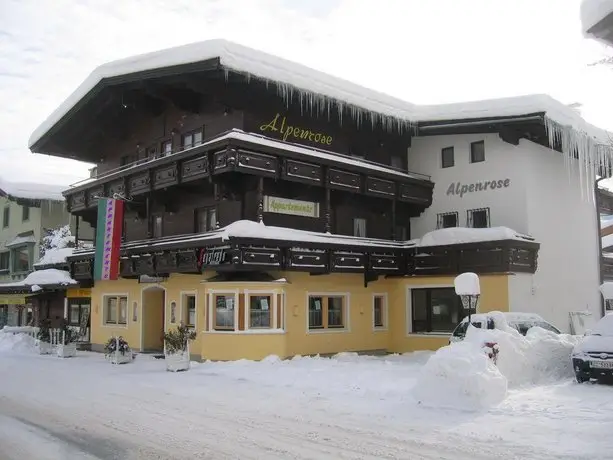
{"type": "Point", "coordinates": [143, 311]}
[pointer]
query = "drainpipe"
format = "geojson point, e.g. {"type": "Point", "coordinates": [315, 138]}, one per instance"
{"type": "Point", "coordinates": [600, 275]}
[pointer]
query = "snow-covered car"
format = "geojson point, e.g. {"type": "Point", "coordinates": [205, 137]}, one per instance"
{"type": "Point", "coordinates": [593, 356]}
{"type": "Point", "coordinates": [520, 321]}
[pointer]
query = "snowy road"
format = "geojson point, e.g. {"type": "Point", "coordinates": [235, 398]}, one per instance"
{"type": "Point", "coordinates": [348, 408]}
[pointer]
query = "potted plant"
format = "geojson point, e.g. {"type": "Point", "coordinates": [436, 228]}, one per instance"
{"type": "Point", "coordinates": [43, 337]}
{"type": "Point", "coordinates": [117, 351]}
{"type": "Point", "coordinates": [176, 348]}
{"type": "Point", "coordinates": [67, 347]}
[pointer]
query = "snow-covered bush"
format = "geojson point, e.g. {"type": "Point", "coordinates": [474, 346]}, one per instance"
{"type": "Point", "coordinates": [56, 238]}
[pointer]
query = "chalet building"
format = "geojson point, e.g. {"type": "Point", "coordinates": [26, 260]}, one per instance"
{"type": "Point", "coordinates": [279, 210]}
{"type": "Point", "coordinates": [29, 210]}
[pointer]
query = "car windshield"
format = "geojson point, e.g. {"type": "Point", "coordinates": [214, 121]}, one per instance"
{"type": "Point", "coordinates": [524, 326]}
{"type": "Point", "coordinates": [604, 327]}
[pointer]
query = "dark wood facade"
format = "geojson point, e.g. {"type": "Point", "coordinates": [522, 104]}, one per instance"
{"type": "Point", "coordinates": [254, 141]}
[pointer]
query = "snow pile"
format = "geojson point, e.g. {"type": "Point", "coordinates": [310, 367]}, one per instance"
{"type": "Point", "coordinates": [462, 376]}
{"type": "Point", "coordinates": [20, 343]}
{"type": "Point", "coordinates": [458, 235]}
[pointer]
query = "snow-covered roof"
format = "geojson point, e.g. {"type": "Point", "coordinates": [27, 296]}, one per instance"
{"type": "Point", "coordinates": [40, 278]}
{"type": "Point", "coordinates": [594, 11]}
{"type": "Point", "coordinates": [606, 223]}
{"type": "Point", "coordinates": [459, 235]}
{"type": "Point", "coordinates": [22, 239]}
{"type": "Point", "coordinates": [315, 87]}
{"type": "Point", "coordinates": [54, 256]}
{"type": "Point", "coordinates": [32, 191]}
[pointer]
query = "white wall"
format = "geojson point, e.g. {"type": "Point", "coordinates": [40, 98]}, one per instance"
{"type": "Point", "coordinates": [507, 205]}
{"type": "Point", "coordinates": [541, 201]}
{"type": "Point", "coordinates": [563, 220]}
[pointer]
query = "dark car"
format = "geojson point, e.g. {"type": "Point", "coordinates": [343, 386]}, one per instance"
{"type": "Point", "coordinates": [593, 356]}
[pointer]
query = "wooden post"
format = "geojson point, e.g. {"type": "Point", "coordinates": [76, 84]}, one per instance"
{"type": "Point", "coordinates": [76, 232]}
{"type": "Point", "coordinates": [328, 215]}
{"type": "Point", "coordinates": [260, 199]}
{"type": "Point", "coordinates": [394, 219]}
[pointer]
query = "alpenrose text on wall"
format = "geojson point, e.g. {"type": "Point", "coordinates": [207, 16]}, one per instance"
{"type": "Point", "coordinates": [459, 189]}
{"type": "Point", "coordinates": [299, 133]}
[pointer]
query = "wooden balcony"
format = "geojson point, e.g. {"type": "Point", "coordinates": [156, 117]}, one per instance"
{"type": "Point", "coordinates": [174, 255]}
{"type": "Point", "coordinates": [237, 151]}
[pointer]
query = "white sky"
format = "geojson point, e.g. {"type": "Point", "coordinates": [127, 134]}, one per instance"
{"type": "Point", "coordinates": [423, 51]}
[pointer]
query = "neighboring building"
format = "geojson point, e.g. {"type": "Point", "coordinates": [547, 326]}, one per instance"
{"type": "Point", "coordinates": [29, 210]}
{"type": "Point", "coordinates": [279, 210]}
{"type": "Point", "coordinates": [597, 20]}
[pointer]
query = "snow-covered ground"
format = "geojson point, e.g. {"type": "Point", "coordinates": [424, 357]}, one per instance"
{"type": "Point", "coordinates": [348, 407]}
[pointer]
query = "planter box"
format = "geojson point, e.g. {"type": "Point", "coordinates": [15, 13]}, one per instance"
{"type": "Point", "coordinates": [119, 358]}
{"type": "Point", "coordinates": [176, 362]}
{"type": "Point", "coordinates": [44, 348]}
{"type": "Point", "coordinates": [66, 351]}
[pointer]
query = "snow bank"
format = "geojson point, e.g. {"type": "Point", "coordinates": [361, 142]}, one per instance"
{"type": "Point", "coordinates": [20, 343]}
{"type": "Point", "coordinates": [462, 376]}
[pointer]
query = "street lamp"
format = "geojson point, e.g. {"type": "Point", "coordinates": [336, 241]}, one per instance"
{"type": "Point", "coordinates": [467, 287]}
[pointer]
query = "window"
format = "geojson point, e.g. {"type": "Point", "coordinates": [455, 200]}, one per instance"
{"type": "Point", "coordinates": [224, 312]}
{"type": "Point", "coordinates": [401, 233]}
{"type": "Point", "coordinates": [447, 157]}
{"type": "Point", "coordinates": [447, 220]}
{"type": "Point", "coordinates": [205, 219]}
{"type": "Point", "coordinates": [327, 311]}
{"type": "Point", "coordinates": [135, 311]}
{"type": "Point", "coordinates": [165, 148]}
{"type": "Point", "coordinates": [5, 258]}
{"type": "Point", "coordinates": [608, 304]}
{"type": "Point", "coordinates": [396, 162]}
{"type": "Point", "coordinates": [435, 310]}
{"type": "Point", "coordinates": [157, 224]}
{"type": "Point", "coordinates": [6, 217]}
{"type": "Point", "coordinates": [189, 306]}
{"type": "Point", "coordinates": [191, 139]}
{"type": "Point", "coordinates": [379, 312]}
{"type": "Point", "coordinates": [260, 307]}
{"type": "Point", "coordinates": [359, 227]}
{"type": "Point", "coordinates": [478, 218]}
{"type": "Point", "coordinates": [21, 259]}
{"type": "Point", "coordinates": [25, 213]}
{"type": "Point", "coordinates": [116, 310]}
{"type": "Point", "coordinates": [477, 152]}
{"type": "Point", "coordinates": [173, 312]}
{"type": "Point", "coordinates": [74, 314]}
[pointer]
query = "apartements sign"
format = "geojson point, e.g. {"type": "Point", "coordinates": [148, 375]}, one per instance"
{"type": "Point", "coordinates": [460, 189]}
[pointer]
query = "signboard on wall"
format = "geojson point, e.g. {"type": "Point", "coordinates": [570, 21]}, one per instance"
{"type": "Point", "coordinates": [291, 207]}
{"type": "Point", "coordinates": [460, 189]}
{"type": "Point", "coordinates": [283, 128]}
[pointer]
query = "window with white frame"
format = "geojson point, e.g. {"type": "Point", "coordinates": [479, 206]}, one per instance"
{"type": "Point", "coordinates": [379, 312]}
{"type": "Point", "coordinates": [327, 311]}
{"type": "Point", "coordinates": [189, 309]}
{"type": "Point", "coordinates": [223, 311]}
{"type": "Point", "coordinates": [260, 311]}
{"type": "Point", "coordinates": [115, 310]}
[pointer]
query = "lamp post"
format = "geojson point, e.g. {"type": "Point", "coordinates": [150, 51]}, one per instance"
{"type": "Point", "coordinates": [468, 288]}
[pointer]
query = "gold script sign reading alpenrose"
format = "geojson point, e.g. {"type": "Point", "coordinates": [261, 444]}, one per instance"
{"type": "Point", "coordinates": [292, 207]}
{"type": "Point", "coordinates": [289, 133]}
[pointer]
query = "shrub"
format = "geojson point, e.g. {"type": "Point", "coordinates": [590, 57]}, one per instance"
{"type": "Point", "coordinates": [176, 341]}
{"type": "Point", "coordinates": [44, 335]}
{"type": "Point", "coordinates": [112, 343]}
